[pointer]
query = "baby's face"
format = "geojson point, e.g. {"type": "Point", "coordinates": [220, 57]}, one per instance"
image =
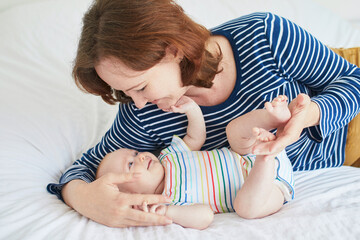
{"type": "Point", "coordinates": [131, 161]}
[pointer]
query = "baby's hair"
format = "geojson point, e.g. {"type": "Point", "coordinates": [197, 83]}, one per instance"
{"type": "Point", "coordinates": [100, 172]}
{"type": "Point", "coordinates": [99, 168]}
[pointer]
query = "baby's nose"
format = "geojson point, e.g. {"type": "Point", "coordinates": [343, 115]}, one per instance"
{"type": "Point", "coordinates": [142, 157]}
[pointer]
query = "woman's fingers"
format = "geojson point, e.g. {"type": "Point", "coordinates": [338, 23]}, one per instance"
{"type": "Point", "coordinates": [145, 207]}
{"type": "Point", "coordinates": [112, 178]}
{"type": "Point", "coordinates": [284, 137]}
{"type": "Point", "coordinates": [139, 199]}
{"type": "Point", "coordinates": [140, 218]}
{"type": "Point", "coordinates": [289, 133]}
{"type": "Point", "coordinates": [266, 148]}
{"type": "Point", "coordinates": [102, 202]}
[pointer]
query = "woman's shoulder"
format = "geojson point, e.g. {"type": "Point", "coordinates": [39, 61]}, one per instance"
{"type": "Point", "coordinates": [241, 22]}
{"type": "Point", "coordinates": [248, 23]}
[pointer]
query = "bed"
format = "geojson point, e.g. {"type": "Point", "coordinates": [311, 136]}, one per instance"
{"type": "Point", "coordinates": [46, 123]}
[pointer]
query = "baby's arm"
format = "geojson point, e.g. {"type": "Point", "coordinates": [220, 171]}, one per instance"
{"type": "Point", "coordinates": [198, 216]}
{"type": "Point", "coordinates": [196, 130]}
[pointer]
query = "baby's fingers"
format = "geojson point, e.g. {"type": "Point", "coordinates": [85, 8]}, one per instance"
{"type": "Point", "coordinates": [158, 209]}
{"type": "Point", "coordinates": [153, 208]}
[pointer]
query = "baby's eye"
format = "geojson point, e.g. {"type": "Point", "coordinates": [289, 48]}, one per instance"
{"type": "Point", "coordinates": [130, 164]}
{"type": "Point", "coordinates": [136, 153]}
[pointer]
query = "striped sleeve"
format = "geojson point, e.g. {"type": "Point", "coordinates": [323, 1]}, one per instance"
{"type": "Point", "coordinates": [334, 83]}
{"type": "Point", "coordinates": [126, 132]}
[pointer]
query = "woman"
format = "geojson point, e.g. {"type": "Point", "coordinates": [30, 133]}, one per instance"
{"type": "Point", "coordinates": [148, 53]}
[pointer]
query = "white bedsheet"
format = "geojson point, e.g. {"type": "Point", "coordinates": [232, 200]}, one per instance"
{"type": "Point", "coordinates": [46, 123]}
{"type": "Point", "coordinates": [327, 206]}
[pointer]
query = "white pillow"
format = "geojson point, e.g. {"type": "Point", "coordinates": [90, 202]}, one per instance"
{"type": "Point", "coordinates": [46, 122]}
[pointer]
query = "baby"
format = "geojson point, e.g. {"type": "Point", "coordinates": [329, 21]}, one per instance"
{"type": "Point", "coordinates": [201, 183]}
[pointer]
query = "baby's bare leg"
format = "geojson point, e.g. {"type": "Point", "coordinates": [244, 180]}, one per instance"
{"type": "Point", "coordinates": [244, 131]}
{"type": "Point", "coordinates": [259, 196]}
{"type": "Point", "coordinates": [278, 111]}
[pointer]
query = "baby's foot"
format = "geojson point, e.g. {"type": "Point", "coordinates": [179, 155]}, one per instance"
{"type": "Point", "coordinates": [278, 109]}
{"type": "Point", "coordinates": [262, 135]}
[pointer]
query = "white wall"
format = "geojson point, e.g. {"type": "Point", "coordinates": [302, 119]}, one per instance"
{"type": "Point", "coordinates": [4, 4]}
{"type": "Point", "coordinates": [348, 9]}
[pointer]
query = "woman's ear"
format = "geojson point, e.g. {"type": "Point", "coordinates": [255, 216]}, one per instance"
{"type": "Point", "coordinates": [173, 53]}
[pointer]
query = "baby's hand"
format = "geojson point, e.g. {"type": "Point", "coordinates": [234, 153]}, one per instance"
{"type": "Point", "coordinates": [154, 208]}
{"type": "Point", "coordinates": [184, 105]}
{"type": "Point", "coordinates": [159, 209]}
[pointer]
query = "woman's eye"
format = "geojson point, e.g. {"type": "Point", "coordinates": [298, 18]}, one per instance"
{"type": "Point", "coordinates": [142, 89]}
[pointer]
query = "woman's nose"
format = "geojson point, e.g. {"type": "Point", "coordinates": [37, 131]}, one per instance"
{"type": "Point", "coordinates": [139, 101]}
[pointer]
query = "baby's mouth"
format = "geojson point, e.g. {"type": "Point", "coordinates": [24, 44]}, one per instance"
{"type": "Point", "coordinates": [149, 164]}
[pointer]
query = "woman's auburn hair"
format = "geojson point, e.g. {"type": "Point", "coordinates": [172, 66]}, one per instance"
{"type": "Point", "coordinates": [137, 32]}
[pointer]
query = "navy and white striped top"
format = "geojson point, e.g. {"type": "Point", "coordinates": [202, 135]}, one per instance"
{"type": "Point", "coordinates": [273, 57]}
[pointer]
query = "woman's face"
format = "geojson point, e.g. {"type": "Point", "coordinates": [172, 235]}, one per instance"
{"type": "Point", "coordinates": [160, 85]}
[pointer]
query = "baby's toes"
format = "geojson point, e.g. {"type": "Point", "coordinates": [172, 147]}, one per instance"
{"type": "Point", "coordinates": [256, 132]}
{"type": "Point", "coordinates": [266, 136]}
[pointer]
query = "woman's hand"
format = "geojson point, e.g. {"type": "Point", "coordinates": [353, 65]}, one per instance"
{"type": "Point", "coordinates": [304, 113]}
{"type": "Point", "coordinates": [102, 202]}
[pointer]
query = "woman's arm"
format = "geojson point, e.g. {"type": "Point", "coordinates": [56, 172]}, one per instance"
{"type": "Point", "coordinates": [102, 202]}
{"type": "Point", "coordinates": [332, 83]}
{"type": "Point", "coordinates": [304, 113]}
{"type": "Point", "coordinates": [98, 199]}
